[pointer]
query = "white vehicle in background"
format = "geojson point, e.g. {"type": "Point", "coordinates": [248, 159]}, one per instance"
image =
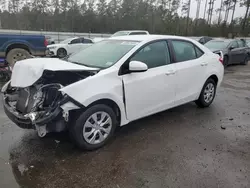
{"type": "Point", "coordinates": [110, 84]}
{"type": "Point", "coordinates": [124, 33]}
{"type": "Point", "coordinates": [69, 46]}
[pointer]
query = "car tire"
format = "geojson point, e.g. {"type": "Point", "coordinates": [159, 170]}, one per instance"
{"type": "Point", "coordinates": [61, 53]}
{"type": "Point", "coordinates": [225, 61]}
{"type": "Point", "coordinates": [17, 54]}
{"type": "Point", "coordinates": [207, 94]}
{"type": "Point", "coordinates": [245, 62]}
{"type": "Point", "coordinates": [87, 132]}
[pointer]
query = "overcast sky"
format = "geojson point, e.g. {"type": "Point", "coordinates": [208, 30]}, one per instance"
{"type": "Point", "coordinates": [239, 11]}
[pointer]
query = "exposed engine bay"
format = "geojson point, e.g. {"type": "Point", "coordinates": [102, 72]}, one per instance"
{"type": "Point", "coordinates": [39, 106]}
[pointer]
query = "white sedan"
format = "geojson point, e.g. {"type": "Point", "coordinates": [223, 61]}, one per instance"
{"type": "Point", "coordinates": [110, 84]}
{"type": "Point", "coordinates": [69, 46]}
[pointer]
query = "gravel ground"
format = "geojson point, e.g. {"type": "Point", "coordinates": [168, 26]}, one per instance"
{"type": "Point", "coordinates": [182, 147]}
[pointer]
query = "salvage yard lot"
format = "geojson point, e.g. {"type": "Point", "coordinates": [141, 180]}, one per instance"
{"type": "Point", "coordinates": [182, 147]}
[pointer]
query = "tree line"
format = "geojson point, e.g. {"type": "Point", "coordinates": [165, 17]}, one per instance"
{"type": "Point", "coordinates": [102, 16]}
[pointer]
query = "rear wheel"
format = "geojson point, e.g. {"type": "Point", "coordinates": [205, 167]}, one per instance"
{"type": "Point", "coordinates": [207, 94]}
{"type": "Point", "coordinates": [94, 127]}
{"type": "Point", "coordinates": [246, 60]}
{"type": "Point", "coordinates": [61, 53]}
{"type": "Point", "coordinates": [17, 54]}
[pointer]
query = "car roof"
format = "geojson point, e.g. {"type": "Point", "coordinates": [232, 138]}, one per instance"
{"type": "Point", "coordinates": [133, 31]}
{"type": "Point", "coordinates": [222, 40]}
{"type": "Point", "coordinates": [142, 38]}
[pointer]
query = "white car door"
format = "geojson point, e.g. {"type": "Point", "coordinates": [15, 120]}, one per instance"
{"type": "Point", "coordinates": [153, 90]}
{"type": "Point", "coordinates": [74, 46]}
{"type": "Point", "coordinates": [191, 67]}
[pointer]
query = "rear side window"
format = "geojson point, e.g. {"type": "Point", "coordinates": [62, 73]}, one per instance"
{"type": "Point", "coordinates": [199, 53]}
{"type": "Point", "coordinates": [185, 51]}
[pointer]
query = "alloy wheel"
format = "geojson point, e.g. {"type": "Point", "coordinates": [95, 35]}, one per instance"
{"type": "Point", "coordinates": [97, 127]}
{"type": "Point", "coordinates": [209, 93]}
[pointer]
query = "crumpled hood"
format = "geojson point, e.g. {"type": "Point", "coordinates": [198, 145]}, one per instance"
{"type": "Point", "coordinates": [26, 72]}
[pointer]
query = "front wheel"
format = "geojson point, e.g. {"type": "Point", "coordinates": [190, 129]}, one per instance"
{"type": "Point", "coordinates": [207, 94]}
{"type": "Point", "coordinates": [94, 127]}
{"type": "Point", "coordinates": [61, 53]}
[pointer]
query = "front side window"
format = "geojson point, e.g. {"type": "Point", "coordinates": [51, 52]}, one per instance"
{"type": "Point", "coordinates": [241, 44]}
{"type": "Point", "coordinates": [66, 41]}
{"type": "Point", "coordinates": [102, 54]}
{"type": "Point", "coordinates": [86, 41]}
{"type": "Point", "coordinates": [75, 41]}
{"type": "Point", "coordinates": [184, 51]}
{"type": "Point", "coordinates": [137, 33]}
{"type": "Point", "coordinates": [233, 44]}
{"type": "Point", "coordinates": [154, 55]}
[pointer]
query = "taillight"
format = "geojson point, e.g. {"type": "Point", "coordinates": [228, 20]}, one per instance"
{"type": "Point", "coordinates": [45, 42]}
{"type": "Point", "coordinates": [221, 60]}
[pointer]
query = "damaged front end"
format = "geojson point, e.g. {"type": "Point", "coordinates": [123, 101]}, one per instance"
{"type": "Point", "coordinates": [42, 106]}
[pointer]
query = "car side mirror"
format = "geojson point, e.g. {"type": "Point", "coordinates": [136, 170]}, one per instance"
{"type": "Point", "coordinates": [137, 66]}
{"type": "Point", "coordinates": [231, 47]}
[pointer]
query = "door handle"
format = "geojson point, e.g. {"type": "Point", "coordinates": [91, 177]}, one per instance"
{"type": "Point", "coordinates": [204, 64]}
{"type": "Point", "coordinates": [170, 72]}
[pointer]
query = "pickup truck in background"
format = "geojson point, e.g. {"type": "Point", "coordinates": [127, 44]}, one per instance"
{"type": "Point", "coordinates": [17, 47]}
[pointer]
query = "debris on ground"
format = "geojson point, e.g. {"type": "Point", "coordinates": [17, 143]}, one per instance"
{"type": "Point", "coordinates": [57, 141]}
{"type": "Point", "coordinates": [231, 119]}
{"type": "Point", "coordinates": [223, 127]}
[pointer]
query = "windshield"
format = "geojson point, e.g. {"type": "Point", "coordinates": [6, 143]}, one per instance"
{"type": "Point", "coordinates": [120, 33]}
{"type": "Point", "coordinates": [102, 54]}
{"type": "Point", "coordinates": [66, 41]}
{"type": "Point", "coordinates": [216, 44]}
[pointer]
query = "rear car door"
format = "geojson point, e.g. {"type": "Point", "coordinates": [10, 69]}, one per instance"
{"type": "Point", "coordinates": [243, 48]}
{"type": "Point", "coordinates": [191, 66]}
{"type": "Point", "coordinates": [234, 53]}
{"type": "Point", "coordinates": [153, 90]}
